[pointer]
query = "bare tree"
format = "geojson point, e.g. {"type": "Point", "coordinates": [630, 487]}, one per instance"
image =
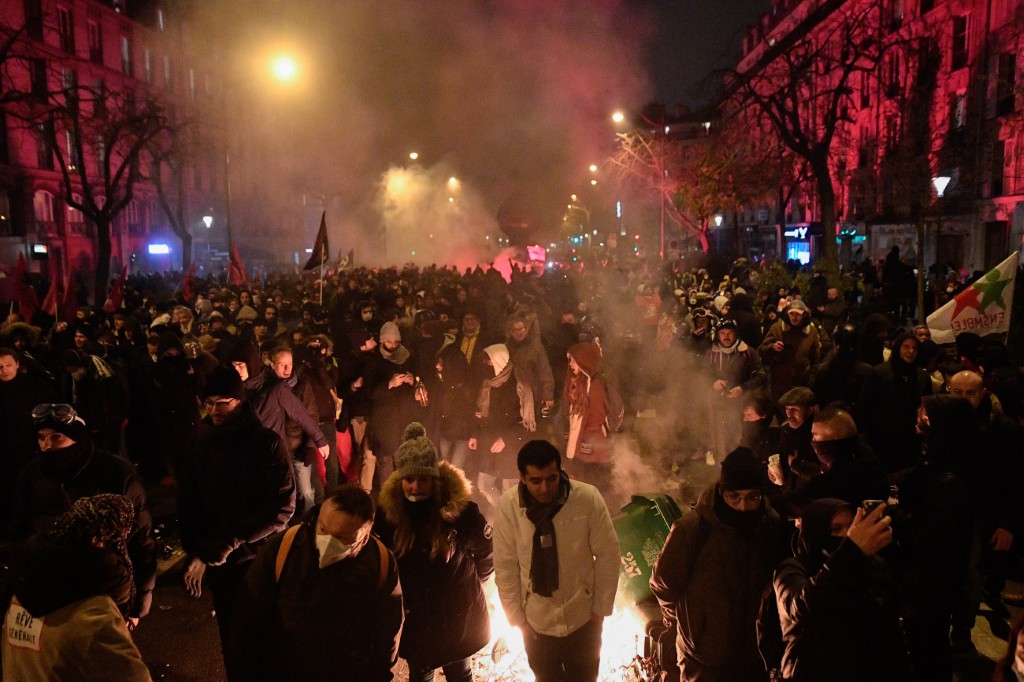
{"type": "Point", "coordinates": [172, 153]}
{"type": "Point", "coordinates": [98, 138]}
{"type": "Point", "coordinates": [803, 86]}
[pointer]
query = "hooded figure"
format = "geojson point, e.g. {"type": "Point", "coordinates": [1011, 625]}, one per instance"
{"type": "Point", "coordinates": [890, 397]}
{"type": "Point", "coordinates": [443, 546]}
{"type": "Point", "coordinates": [74, 584]}
{"type": "Point", "coordinates": [837, 605]}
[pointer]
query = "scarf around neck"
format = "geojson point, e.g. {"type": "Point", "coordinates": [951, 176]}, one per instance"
{"type": "Point", "coordinates": [544, 558]}
{"type": "Point", "coordinates": [526, 409]}
{"type": "Point", "coordinates": [398, 356]}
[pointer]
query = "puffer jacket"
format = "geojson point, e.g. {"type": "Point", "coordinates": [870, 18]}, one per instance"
{"type": "Point", "coordinates": [446, 615]}
{"type": "Point", "coordinates": [710, 578]}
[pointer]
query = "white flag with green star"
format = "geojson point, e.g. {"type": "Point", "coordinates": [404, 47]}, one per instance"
{"type": "Point", "coordinates": [982, 308]}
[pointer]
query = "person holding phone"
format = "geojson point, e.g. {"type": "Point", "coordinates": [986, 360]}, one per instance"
{"type": "Point", "coordinates": [837, 598]}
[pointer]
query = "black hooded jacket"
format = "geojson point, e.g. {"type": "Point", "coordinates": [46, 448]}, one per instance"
{"type": "Point", "coordinates": [235, 488]}
{"type": "Point", "coordinates": [838, 609]}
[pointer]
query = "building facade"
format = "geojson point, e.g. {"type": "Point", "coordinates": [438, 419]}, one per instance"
{"type": "Point", "coordinates": [137, 50]}
{"type": "Point", "coordinates": [927, 151]}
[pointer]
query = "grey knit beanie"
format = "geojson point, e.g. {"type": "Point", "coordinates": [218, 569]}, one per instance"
{"type": "Point", "coordinates": [416, 456]}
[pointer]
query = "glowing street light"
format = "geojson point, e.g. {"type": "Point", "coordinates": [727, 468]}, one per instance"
{"type": "Point", "coordinates": [453, 182]}
{"type": "Point", "coordinates": [593, 168]}
{"type": "Point", "coordinates": [940, 183]}
{"type": "Point", "coordinates": [414, 155]}
{"type": "Point", "coordinates": [593, 182]}
{"type": "Point", "coordinates": [285, 68]}
{"type": "Point", "coordinates": [618, 117]}
{"type": "Point", "coordinates": [208, 221]}
{"type": "Point", "coordinates": [718, 220]}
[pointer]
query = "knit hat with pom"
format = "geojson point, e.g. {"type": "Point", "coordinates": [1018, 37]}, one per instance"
{"type": "Point", "coordinates": [416, 456]}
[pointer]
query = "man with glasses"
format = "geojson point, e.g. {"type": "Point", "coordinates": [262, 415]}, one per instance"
{"type": "Point", "coordinates": [68, 467]}
{"type": "Point", "coordinates": [235, 488]}
{"type": "Point", "coordinates": [713, 570]}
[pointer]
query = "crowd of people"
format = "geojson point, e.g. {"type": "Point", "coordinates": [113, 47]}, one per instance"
{"type": "Point", "coordinates": [344, 447]}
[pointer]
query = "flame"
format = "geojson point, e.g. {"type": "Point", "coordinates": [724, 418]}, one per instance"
{"type": "Point", "coordinates": [504, 659]}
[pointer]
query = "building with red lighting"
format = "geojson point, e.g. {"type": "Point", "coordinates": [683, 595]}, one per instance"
{"type": "Point", "coordinates": [935, 94]}
{"type": "Point", "coordinates": [139, 49]}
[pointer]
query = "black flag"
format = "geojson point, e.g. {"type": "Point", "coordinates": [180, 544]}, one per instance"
{"type": "Point", "coordinates": [320, 248]}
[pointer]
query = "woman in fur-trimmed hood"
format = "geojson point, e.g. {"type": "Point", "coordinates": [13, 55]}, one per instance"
{"type": "Point", "coordinates": [444, 551]}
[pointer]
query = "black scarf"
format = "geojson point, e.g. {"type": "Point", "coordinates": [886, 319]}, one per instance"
{"type": "Point", "coordinates": [544, 562]}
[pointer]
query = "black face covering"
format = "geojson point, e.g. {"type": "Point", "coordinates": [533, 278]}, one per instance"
{"type": "Point", "coordinates": [744, 521]}
{"type": "Point", "coordinates": [831, 451]}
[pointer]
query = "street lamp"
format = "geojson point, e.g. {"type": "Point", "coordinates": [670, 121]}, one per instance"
{"type": "Point", "coordinates": [618, 118]}
{"type": "Point", "coordinates": [208, 221]}
{"type": "Point", "coordinates": [283, 68]}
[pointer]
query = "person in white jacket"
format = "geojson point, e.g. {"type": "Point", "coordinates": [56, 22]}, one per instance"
{"type": "Point", "coordinates": [556, 565]}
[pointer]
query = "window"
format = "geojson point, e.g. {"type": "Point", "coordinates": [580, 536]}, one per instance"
{"type": "Point", "coordinates": [1006, 79]}
{"type": "Point", "coordinates": [6, 224]}
{"type": "Point", "coordinates": [147, 58]}
{"type": "Point", "coordinates": [99, 99]}
{"type": "Point", "coordinates": [69, 87]}
{"type": "Point", "coordinates": [959, 111]}
{"type": "Point", "coordinates": [44, 148]}
{"type": "Point", "coordinates": [95, 42]}
{"type": "Point", "coordinates": [959, 43]}
{"type": "Point", "coordinates": [160, 19]}
{"type": "Point", "coordinates": [126, 55]}
{"type": "Point", "coordinates": [5, 151]}
{"type": "Point", "coordinates": [66, 28]}
{"type": "Point", "coordinates": [998, 161]}
{"type": "Point", "coordinates": [75, 217]}
{"type": "Point", "coordinates": [34, 18]}
{"type": "Point", "coordinates": [42, 206]}
{"type": "Point", "coordinates": [893, 75]}
{"type": "Point", "coordinates": [71, 147]}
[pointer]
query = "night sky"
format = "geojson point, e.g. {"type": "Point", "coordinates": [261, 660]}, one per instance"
{"type": "Point", "coordinates": [694, 37]}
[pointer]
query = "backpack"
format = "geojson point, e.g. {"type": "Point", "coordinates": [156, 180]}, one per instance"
{"type": "Point", "coordinates": [289, 538]}
{"type": "Point", "coordinates": [616, 409]}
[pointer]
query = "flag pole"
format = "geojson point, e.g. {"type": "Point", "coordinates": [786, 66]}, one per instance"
{"type": "Point", "coordinates": [323, 257]}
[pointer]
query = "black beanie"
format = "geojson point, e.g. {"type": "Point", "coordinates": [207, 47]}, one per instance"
{"type": "Point", "coordinates": [741, 471]}
{"type": "Point", "coordinates": [223, 382]}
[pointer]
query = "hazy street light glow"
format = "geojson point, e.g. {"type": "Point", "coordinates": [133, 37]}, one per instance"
{"type": "Point", "coordinates": [593, 168]}
{"type": "Point", "coordinates": [618, 117]}
{"type": "Point", "coordinates": [414, 155]}
{"type": "Point", "coordinates": [285, 68]}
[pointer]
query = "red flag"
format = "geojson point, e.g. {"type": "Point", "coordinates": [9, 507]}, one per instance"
{"type": "Point", "coordinates": [320, 248]}
{"type": "Point", "coordinates": [188, 291]}
{"type": "Point", "coordinates": [236, 268]}
{"type": "Point", "coordinates": [24, 294]}
{"type": "Point", "coordinates": [70, 305]}
{"type": "Point", "coordinates": [54, 293]}
{"type": "Point", "coordinates": [113, 301]}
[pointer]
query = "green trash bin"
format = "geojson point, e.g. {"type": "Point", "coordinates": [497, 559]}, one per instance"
{"type": "Point", "coordinates": [642, 528]}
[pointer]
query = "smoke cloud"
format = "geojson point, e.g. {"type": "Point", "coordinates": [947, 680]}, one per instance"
{"type": "Point", "coordinates": [512, 97]}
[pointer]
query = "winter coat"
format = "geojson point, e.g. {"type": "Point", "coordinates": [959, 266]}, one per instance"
{"type": "Point", "coordinates": [888, 406]}
{"type": "Point", "coordinates": [588, 562]}
{"type": "Point", "coordinates": [17, 430]}
{"type": "Point", "coordinates": [235, 488]}
{"type": "Point", "coordinates": [276, 404]}
{"type": "Point", "coordinates": [711, 581]}
{"type": "Point", "coordinates": [532, 361]}
{"type": "Point", "coordinates": [66, 622]}
{"type": "Point", "coordinates": [317, 624]}
{"type": "Point", "coordinates": [797, 362]}
{"type": "Point", "coordinates": [736, 366]}
{"type": "Point", "coordinates": [839, 615]}
{"type": "Point", "coordinates": [391, 409]}
{"type": "Point", "coordinates": [48, 486]}
{"type": "Point", "coordinates": [446, 616]}
{"type": "Point", "coordinates": [85, 641]}
{"type": "Point", "coordinates": [588, 438]}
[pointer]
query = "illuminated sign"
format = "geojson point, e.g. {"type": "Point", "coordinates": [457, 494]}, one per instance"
{"type": "Point", "coordinates": [159, 249]}
{"type": "Point", "coordinates": [40, 248]}
{"type": "Point", "coordinates": [797, 232]}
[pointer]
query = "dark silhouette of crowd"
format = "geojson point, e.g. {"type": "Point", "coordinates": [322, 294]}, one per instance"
{"type": "Point", "coordinates": [286, 403]}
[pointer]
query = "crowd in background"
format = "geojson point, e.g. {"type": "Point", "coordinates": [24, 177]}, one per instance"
{"type": "Point", "coordinates": [820, 394]}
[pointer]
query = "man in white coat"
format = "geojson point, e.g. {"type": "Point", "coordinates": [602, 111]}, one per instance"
{"type": "Point", "coordinates": [556, 565]}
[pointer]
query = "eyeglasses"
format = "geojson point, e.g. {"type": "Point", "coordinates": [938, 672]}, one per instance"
{"type": "Point", "coordinates": [62, 413]}
{"type": "Point", "coordinates": [223, 403]}
{"type": "Point", "coordinates": [732, 497]}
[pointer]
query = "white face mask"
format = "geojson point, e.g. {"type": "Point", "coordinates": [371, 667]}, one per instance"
{"type": "Point", "coordinates": [332, 550]}
{"type": "Point", "coordinates": [417, 498]}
